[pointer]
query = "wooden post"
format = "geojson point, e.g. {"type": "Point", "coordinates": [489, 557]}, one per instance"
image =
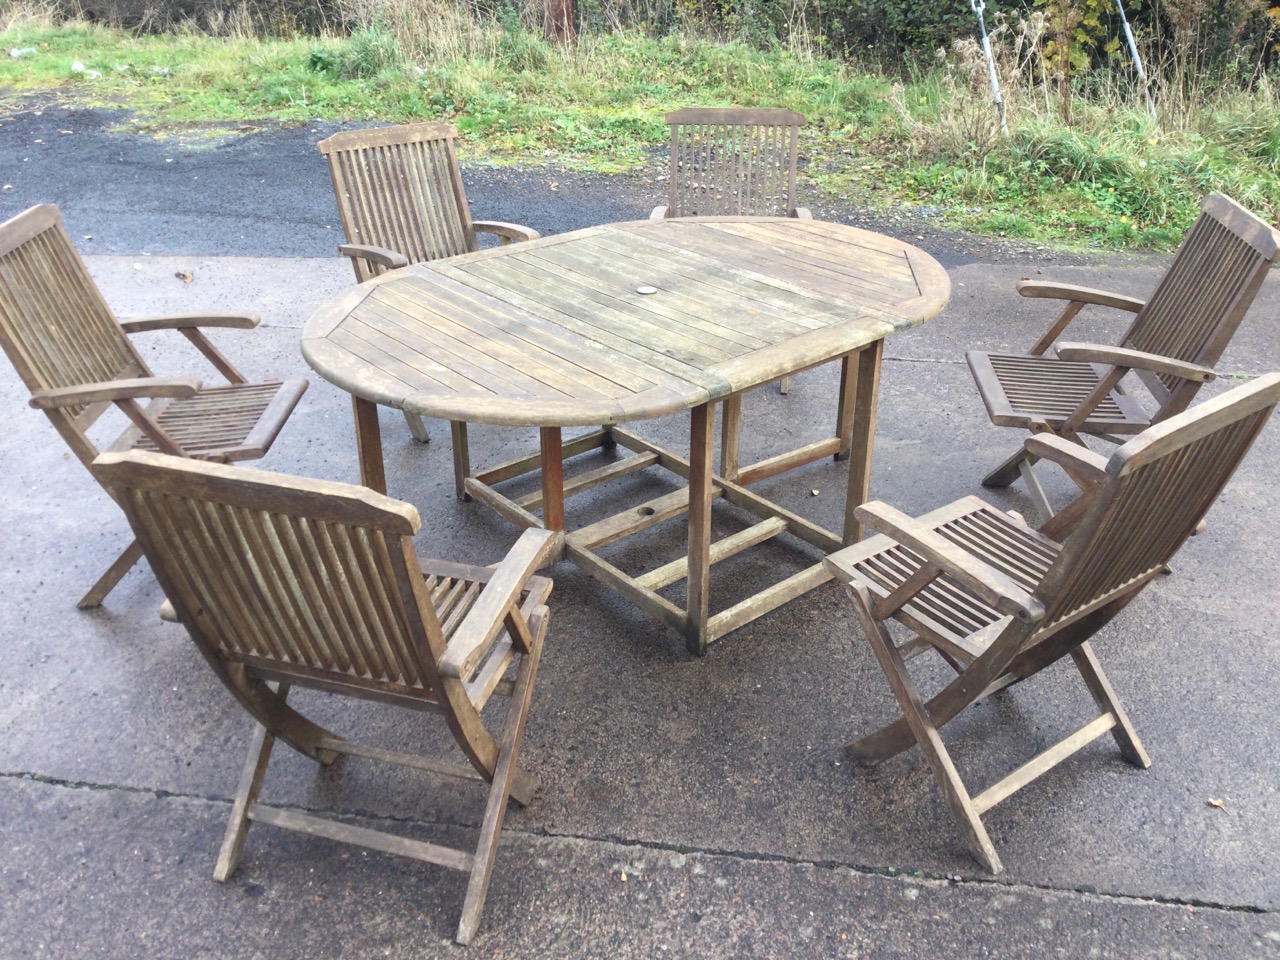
{"type": "Point", "coordinates": [844, 405]}
{"type": "Point", "coordinates": [558, 21]}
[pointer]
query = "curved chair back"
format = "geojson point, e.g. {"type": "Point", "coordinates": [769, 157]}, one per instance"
{"type": "Point", "coordinates": [400, 188]}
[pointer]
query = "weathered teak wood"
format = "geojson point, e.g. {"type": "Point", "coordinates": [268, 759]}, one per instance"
{"type": "Point", "coordinates": [554, 333]}
{"type": "Point", "coordinates": [1172, 344]}
{"type": "Point", "coordinates": [306, 583]}
{"type": "Point", "coordinates": [733, 161]}
{"type": "Point", "coordinates": [401, 201]}
{"type": "Point", "coordinates": [76, 359]}
{"type": "Point", "coordinates": [1000, 600]}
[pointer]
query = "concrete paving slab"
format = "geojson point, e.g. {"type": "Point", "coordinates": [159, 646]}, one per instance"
{"type": "Point", "coordinates": [68, 852]}
{"type": "Point", "coordinates": [737, 756]}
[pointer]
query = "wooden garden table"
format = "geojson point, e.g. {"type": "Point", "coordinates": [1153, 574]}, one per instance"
{"type": "Point", "coordinates": [625, 322]}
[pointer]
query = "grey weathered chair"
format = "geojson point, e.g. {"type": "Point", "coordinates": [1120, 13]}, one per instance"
{"type": "Point", "coordinates": [737, 162]}
{"type": "Point", "coordinates": [733, 162]}
{"type": "Point", "coordinates": [292, 582]}
{"type": "Point", "coordinates": [1172, 344]}
{"type": "Point", "coordinates": [1000, 601]}
{"type": "Point", "coordinates": [75, 358]}
{"type": "Point", "coordinates": [401, 201]}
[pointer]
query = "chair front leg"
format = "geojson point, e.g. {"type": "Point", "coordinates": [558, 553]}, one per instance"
{"type": "Point", "coordinates": [925, 733]}
{"type": "Point", "coordinates": [504, 775]}
{"type": "Point", "coordinates": [255, 771]}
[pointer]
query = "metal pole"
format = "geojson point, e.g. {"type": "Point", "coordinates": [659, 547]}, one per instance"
{"type": "Point", "coordinates": [1137, 59]}
{"type": "Point", "coordinates": [978, 6]}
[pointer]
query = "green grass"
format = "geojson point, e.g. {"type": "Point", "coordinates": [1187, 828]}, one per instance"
{"type": "Point", "coordinates": [1111, 179]}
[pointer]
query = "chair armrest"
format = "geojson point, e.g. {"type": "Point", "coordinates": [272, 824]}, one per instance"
{"type": "Point", "coordinates": [1044, 289]}
{"type": "Point", "coordinates": [1077, 298]}
{"type": "Point", "coordinates": [509, 232]}
{"type": "Point", "coordinates": [1068, 455]}
{"type": "Point", "coordinates": [1135, 360]}
{"type": "Point", "coordinates": [485, 620]}
{"type": "Point", "coordinates": [113, 391]}
{"type": "Point", "coordinates": [190, 326]}
{"type": "Point", "coordinates": [190, 321]}
{"type": "Point", "coordinates": [802, 213]}
{"type": "Point", "coordinates": [983, 579]}
{"type": "Point", "coordinates": [659, 213]}
{"type": "Point", "coordinates": [380, 256]}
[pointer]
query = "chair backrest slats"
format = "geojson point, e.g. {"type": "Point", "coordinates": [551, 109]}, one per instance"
{"type": "Point", "coordinates": [1159, 487]}
{"type": "Point", "coordinates": [1204, 295]}
{"type": "Point", "coordinates": [733, 162]}
{"type": "Point", "coordinates": [400, 188]}
{"type": "Point", "coordinates": [54, 324]}
{"type": "Point", "coordinates": [285, 586]}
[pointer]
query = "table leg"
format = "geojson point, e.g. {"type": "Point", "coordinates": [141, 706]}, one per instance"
{"type": "Point", "coordinates": [844, 405]}
{"type": "Point", "coordinates": [552, 454]}
{"type": "Point", "coordinates": [701, 450]}
{"type": "Point", "coordinates": [369, 444]}
{"type": "Point", "coordinates": [866, 394]}
{"type": "Point", "coordinates": [730, 435]}
{"type": "Point", "coordinates": [461, 458]}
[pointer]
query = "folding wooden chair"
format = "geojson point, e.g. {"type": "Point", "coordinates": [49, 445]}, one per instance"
{"type": "Point", "coordinates": [1175, 339]}
{"type": "Point", "coordinates": [401, 201]}
{"type": "Point", "coordinates": [75, 358]}
{"type": "Point", "coordinates": [733, 162]}
{"type": "Point", "coordinates": [1000, 601]}
{"type": "Point", "coordinates": [295, 582]}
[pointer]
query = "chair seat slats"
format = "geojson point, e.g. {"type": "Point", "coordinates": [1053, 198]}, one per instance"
{"type": "Point", "coordinates": [1019, 389]}
{"type": "Point", "coordinates": [947, 612]}
{"type": "Point", "coordinates": [234, 422]}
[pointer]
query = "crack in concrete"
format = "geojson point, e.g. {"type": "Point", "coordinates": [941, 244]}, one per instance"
{"type": "Point", "coordinates": [891, 873]}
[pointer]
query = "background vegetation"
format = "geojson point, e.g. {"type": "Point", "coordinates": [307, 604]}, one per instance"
{"type": "Point", "coordinates": [896, 92]}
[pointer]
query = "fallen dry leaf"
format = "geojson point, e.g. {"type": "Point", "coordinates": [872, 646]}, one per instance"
{"type": "Point", "coordinates": [1215, 802]}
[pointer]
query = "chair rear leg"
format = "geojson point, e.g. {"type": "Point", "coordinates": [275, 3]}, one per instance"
{"type": "Point", "coordinates": [500, 788]}
{"type": "Point", "coordinates": [417, 427]}
{"type": "Point", "coordinates": [926, 734]}
{"type": "Point", "coordinates": [1105, 697]}
{"type": "Point", "coordinates": [1007, 472]}
{"type": "Point", "coordinates": [1028, 473]}
{"type": "Point", "coordinates": [107, 582]}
